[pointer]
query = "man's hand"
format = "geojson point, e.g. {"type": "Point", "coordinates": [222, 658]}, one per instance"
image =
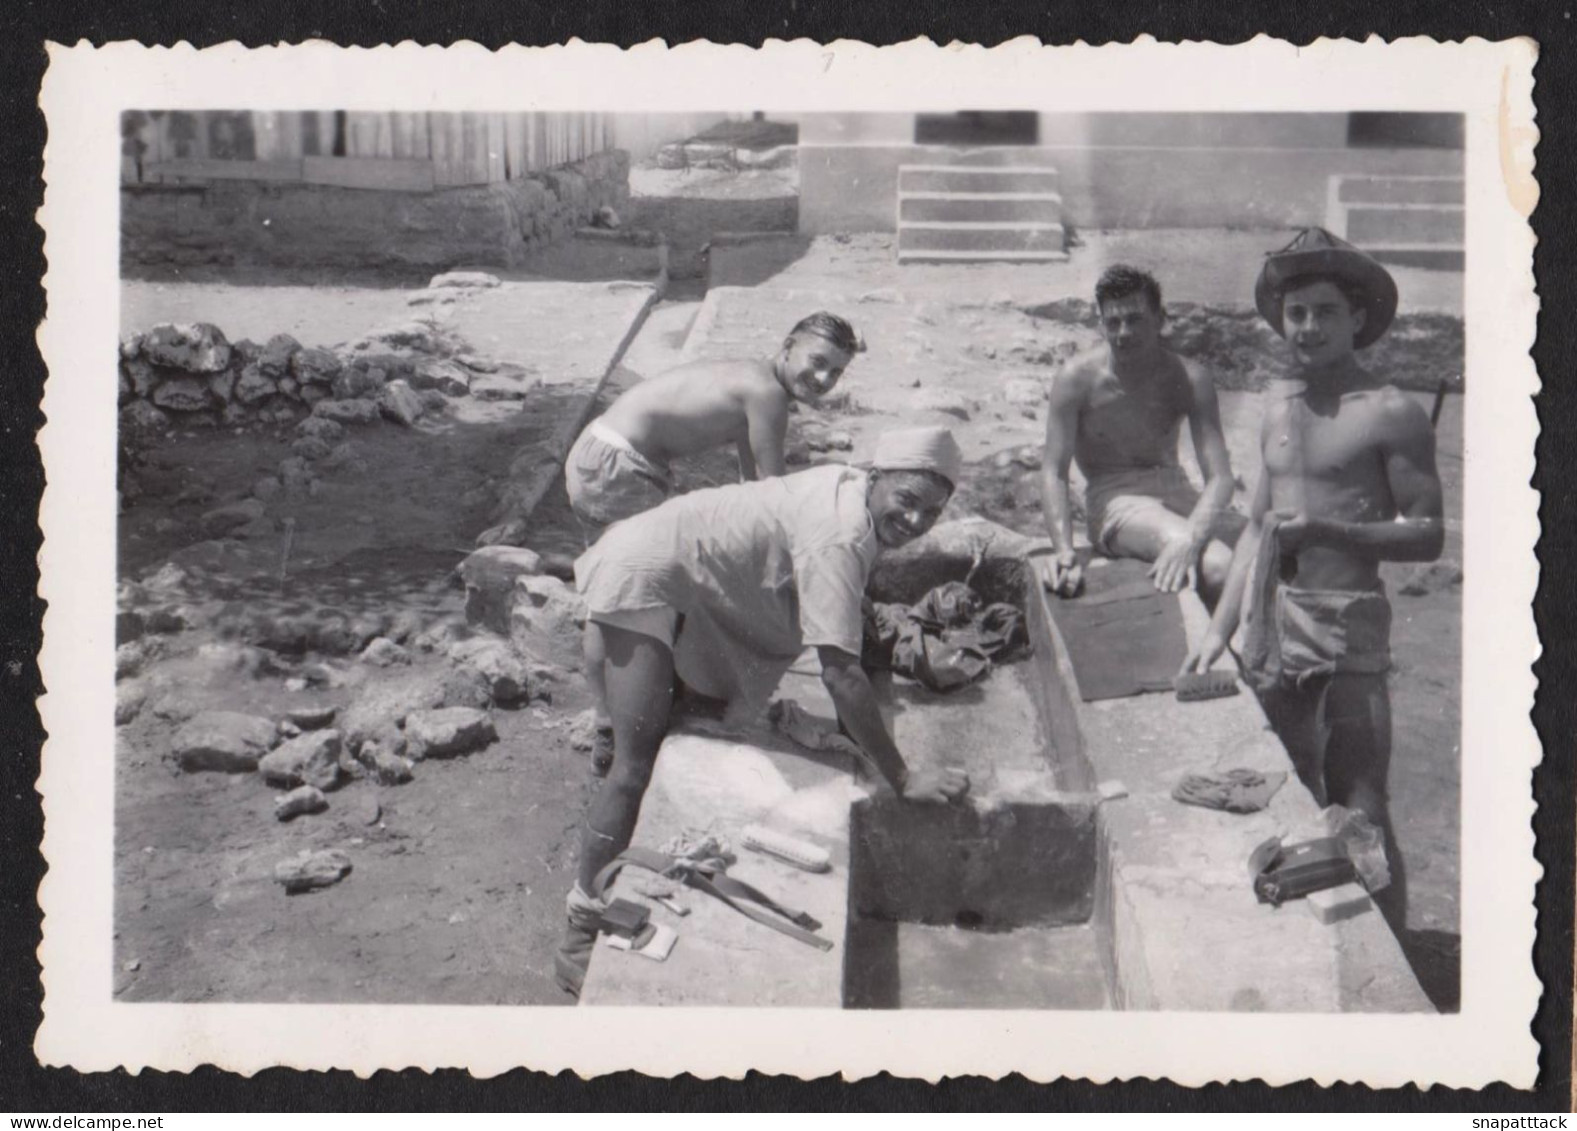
{"type": "Point", "coordinates": [935, 786]}
{"type": "Point", "coordinates": [1062, 574]}
{"type": "Point", "coordinates": [1177, 565]}
{"type": "Point", "coordinates": [1297, 531]}
{"type": "Point", "coordinates": [1203, 658]}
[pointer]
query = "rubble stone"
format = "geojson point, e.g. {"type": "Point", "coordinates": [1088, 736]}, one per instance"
{"type": "Point", "coordinates": [382, 652]}
{"type": "Point", "coordinates": [386, 767]}
{"type": "Point", "coordinates": [221, 385]}
{"type": "Point", "coordinates": [254, 386]}
{"type": "Point", "coordinates": [311, 759]}
{"type": "Point", "coordinates": [312, 870]}
{"type": "Point", "coordinates": [359, 381]}
{"type": "Point", "coordinates": [399, 402]}
{"type": "Point", "coordinates": [489, 575]}
{"type": "Point", "coordinates": [226, 741]}
{"type": "Point", "coordinates": [445, 376]}
{"type": "Point", "coordinates": [311, 448]}
{"type": "Point", "coordinates": [545, 619]}
{"type": "Point", "coordinates": [301, 800]}
{"type": "Point", "coordinates": [311, 718]}
{"type": "Point", "coordinates": [447, 732]}
{"type": "Point", "coordinates": [312, 366]}
{"type": "Point", "coordinates": [497, 663]}
{"type": "Point", "coordinates": [275, 358]}
{"type": "Point", "coordinates": [142, 417]}
{"type": "Point", "coordinates": [322, 428]}
{"type": "Point", "coordinates": [182, 394]}
{"type": "Point", "coordinates": [347, 412]}
{"type": "Point", "coordinates": [196, 347]}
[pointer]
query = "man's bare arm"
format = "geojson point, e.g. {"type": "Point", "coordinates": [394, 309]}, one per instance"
{"type": "Point", "coordinates": [766, 416]}
{"type": "Point", "coordinates": [1224, 622]}
{"type": "Point", "coordinates": [855, 701]}
{"type": "Point", "coordinates": [1210, 446]}
{"type": "Point", "coordinates": [1062, 426]}
{"type": "Point", "coordinates": [747, 461]}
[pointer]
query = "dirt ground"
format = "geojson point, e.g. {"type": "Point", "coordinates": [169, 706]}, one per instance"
{"type": "Point", "coordinates": [457, 892]}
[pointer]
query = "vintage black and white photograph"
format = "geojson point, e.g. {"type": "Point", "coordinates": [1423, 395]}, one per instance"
{"type": "Point", "coordinates": [949, 559]}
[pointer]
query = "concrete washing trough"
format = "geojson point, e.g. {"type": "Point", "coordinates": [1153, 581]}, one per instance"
{"type": "Point", "coordinates": [1035, 893]}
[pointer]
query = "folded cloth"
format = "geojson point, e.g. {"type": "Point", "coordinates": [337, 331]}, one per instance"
{"type": "Point", "coordinates": [1236, 791]}
{"type": "Point", "coordinates": [1261, 648]}
{"type": "Point", "coordinates": [1123, 637]}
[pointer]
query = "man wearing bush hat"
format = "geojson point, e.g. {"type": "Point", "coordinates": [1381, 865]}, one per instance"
{"type": "Point", "coordinates": [1349, 482]}
{"type": "Point", "coordinates": [724, 588]}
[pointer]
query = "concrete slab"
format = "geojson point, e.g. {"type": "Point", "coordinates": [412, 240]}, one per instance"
{"type": "Point", "coordinates": [1176, 899]}
{"type": "Point", "coordinates": [722, 957]}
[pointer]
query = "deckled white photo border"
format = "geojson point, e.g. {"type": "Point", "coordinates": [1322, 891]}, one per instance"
{"type": "Point", "coordinates": [1491, 83]}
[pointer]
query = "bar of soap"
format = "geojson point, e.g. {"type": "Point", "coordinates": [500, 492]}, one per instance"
{"type": "Point", "coordinates": [1335, 904]}
{"type": "Point", "coordinates": [790, 849]}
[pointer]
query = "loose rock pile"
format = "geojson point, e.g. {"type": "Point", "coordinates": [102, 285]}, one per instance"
{"type": "Point", "coordinates": [191, 376]}
{"type": "Point", "coordinates": [521, 630]}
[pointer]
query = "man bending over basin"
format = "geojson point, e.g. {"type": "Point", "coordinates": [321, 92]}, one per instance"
{"type": "Point", "coordinates": [723, 589]}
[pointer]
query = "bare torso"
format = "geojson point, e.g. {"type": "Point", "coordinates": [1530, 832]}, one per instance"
{"type": "Point", "coordinates": [1131, 421]}
{"type": "Point", "coordinates": [1325, 456]}
{"type": "Point", "coordinates": [695, 407]}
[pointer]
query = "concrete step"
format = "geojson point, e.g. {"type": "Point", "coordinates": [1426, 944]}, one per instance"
{"type": "Point", "coordinates": [931, 255]}
{"type": "Point", "coordinates": [1383, 224]}
{"type": "Point", "coordinates": [1045, 207]}
{"type": "Point", "coordinates": [988, 236]}
{"type": "Point", "coordinates": [1435, 257]}
{"type": "Point", "coordinates": [976, 178]}
{"type": "Point", "coordinates": [1400, 190]}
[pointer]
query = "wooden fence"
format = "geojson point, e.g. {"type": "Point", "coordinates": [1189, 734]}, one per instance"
{"type": "Point", "coordinates": [354, 149]}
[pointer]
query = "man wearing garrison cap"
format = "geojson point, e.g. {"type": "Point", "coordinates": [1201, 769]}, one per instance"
{"type": "Point", "coordinates": [723, 589]}
{"type": "Point", "coordinates": [1349, 482]}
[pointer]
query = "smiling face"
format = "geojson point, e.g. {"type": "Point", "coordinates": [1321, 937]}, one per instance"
{"type": "Point", "coordinates": [1320, 323]}
{"type": "Point", "coordinates": [1130, 325]}
{"type": "Point", "coordinates": [809, 366]}
{"type": "Point", "coordinates": [905, 504]}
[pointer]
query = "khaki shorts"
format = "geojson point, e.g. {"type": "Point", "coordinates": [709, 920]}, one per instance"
{"type": "Point", "coordinates": [608, 480]}
{"type": "Point", "coordinates": [1144, 495]}
{"type": "Point", "coordinates": [659, 622]}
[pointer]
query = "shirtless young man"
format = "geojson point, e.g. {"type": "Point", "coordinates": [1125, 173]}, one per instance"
{"type": "Point", "coordinates": [619, 465]}
{"type": "Point", "coordinates": [1117, 411]}
{"type": "Point", "coordinates": [1349, 482]}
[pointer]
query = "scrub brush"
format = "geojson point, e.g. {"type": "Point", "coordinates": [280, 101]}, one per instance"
{"type": "Point", "coordinates": [1195, 686]}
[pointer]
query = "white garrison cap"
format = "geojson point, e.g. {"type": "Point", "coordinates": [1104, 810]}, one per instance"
{"type": "Point", "coordinates": [920, 449]}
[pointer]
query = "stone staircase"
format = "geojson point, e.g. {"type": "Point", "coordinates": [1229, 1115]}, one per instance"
{"type": "Point", "coordinates": [1410, 221]}
{"type": "Point", "coordinates": [979, 213]}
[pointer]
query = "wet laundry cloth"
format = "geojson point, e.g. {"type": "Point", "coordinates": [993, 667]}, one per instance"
{"type": "Point", "coordinates": [1236, 791]}
{"type": "Point", "coordinates": [1123, 637]}
{"type": "Point", "coordinates": [798, 725]}
{"type": "Point", "coordinates": [944, 641]}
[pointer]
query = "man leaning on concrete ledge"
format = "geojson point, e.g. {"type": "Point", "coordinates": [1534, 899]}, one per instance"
{"type": "Point", "coordinates": [723, 589]}
{"type": "Point", "coordinates": [1349, 482]}
{"type": "Point", "coordinates": [1117, 410]}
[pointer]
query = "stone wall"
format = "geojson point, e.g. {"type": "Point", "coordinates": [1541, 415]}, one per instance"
{"type": "Point", "coordinates": [297, 225]}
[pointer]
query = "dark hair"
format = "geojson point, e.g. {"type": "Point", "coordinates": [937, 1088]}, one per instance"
{"type": "Point", "coordinates": [831, 327]}
{"type": "Point", "coordinates": [1357, 298]}
{"type": "Point", "coordinates": [1121, 281]}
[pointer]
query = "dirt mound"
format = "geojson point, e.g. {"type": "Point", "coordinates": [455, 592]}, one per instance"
{"type": "Point", "coordinates": [1418, 352]}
